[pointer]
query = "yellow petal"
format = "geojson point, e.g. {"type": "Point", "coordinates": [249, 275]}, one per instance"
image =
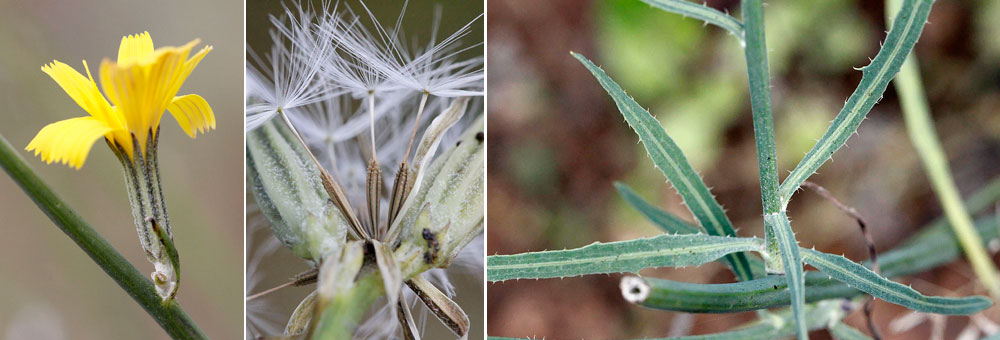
{"type": "Point", "coordinates": [82, 89]}
{"type": "Point", "coordinates": [68, 141]}
{"type": "Point", "coordinates": [176, 79]}
{"type": "Point", "coordinates": [121, 136]}
{"type": "Point", "coordinates": [169, 76]}
{"type": "Point", "coordinates": [135, 47]}
{"type": "Point", "coordinates": [142, 90]}
{"type": "Point", "coordinates": [124, 87]}
{"type": "Point", "coordinates": [193, 62]}
{"type": "Point", "coordinates": [192, 113]}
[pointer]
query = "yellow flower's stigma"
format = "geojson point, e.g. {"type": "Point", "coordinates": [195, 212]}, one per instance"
{"type": "Point", "coordinates": [140, 86]}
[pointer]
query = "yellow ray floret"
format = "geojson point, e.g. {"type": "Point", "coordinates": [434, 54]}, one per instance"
{"type": "Point", "coordinates": [140, 86]}
{"type": "Point", "coordinates": [68, 141]}
{"type": "Point", "coordinates": [192, 113]}
{"type": "Point", "coordinates": [134, 47]}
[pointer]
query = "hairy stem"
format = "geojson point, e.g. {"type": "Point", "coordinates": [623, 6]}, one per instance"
{"type": "Point", "coordinates": [778, 233]}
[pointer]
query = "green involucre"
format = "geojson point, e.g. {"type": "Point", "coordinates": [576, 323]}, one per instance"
{"type": "Point", "coordinates": [286, 186]}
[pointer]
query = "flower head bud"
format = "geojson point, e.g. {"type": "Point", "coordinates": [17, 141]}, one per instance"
{"type": "Point", "coordinates": [447, 211]}
{"type": "Point", "coordinates": [285, 182]}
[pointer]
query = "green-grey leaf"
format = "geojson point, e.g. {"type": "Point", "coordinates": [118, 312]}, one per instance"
{"type": "Point", "coordinates": [932, 247]}
{"type": "Point", "coordinates": [856, 275]}
{"type": "Point", "coordinates": [777, 325]}
{"type": "Point", "coordinates": [700, 12]}
{"type": "Point", "coordinates": [842, 331]}
{"type": "Point", "coordinates": [875, 78]}
{"type": "Point", "coordinates": [778, 227]}
{"type": "Point", "coordinates": [617, 257]}
{"type": "Point", "coordinates": [666, 221]}
{"type": "Point", "coordinates": [672, 224]}
{"type": "Point", "coordinates": [760, 293]}
{"type": "Point", "coordinates": [671, 161]}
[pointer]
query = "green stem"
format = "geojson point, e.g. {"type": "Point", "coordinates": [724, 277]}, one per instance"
{"type": "Point", "coordinates": [778, 233]}
{"type": "Point", "coordinates": [920, 126]}
{"type": "Point", "coordinates": [168, 314]}
{"type": "Point", "coordinates": [341, 314]}
{"type": "Point", "coordinates": [760, 102]}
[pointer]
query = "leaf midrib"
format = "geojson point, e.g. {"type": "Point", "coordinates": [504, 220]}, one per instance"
{"type": "Point", "coordinates": [854, 110]}
{"type": "Point", "coordinates": [626, 256]}
{"type": "Point", "coordinates": [705, 13]}
{"type": "Point", "coordinates": [687, 184]}
{"type": "Point", "coordinates": [893, 292]}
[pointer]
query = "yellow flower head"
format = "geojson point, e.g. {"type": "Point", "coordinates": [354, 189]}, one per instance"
{"type": "Point", "coordinates": [141, 85]}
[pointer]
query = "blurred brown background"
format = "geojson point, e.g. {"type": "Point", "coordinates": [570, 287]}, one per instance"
{"type": "Point", "coordinates": [276, 265]}
{"type": "Point", "coordinates": [557, 143]}
{"type": "Point", "coordinates": [49, 289]}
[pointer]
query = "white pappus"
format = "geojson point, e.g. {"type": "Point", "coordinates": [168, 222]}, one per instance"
{"type": "Point", "coordinates": [358, 93]}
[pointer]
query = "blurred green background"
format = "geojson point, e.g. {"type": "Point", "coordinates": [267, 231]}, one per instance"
{"type": "Point", "coordinates": [276, 267]}
{"type": "Point", "coordinates": [49, 289]}
{"type": "Point", "coordinates": [557, 143]}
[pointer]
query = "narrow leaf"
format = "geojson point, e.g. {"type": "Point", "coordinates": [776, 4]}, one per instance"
{"type": "Point", "coordinates": [617, 257]}
{"type": "Point", "coordinates": [778, 228]}
{"type": "Point", "coordinates": [666, 221]}
{"type": "Point", "coordinates": [765, 292]}
{"type": "Point", "coordinates": [778, 325]}
{"type": "Point", "coordinates": [671, 161]}
{"type": "Point", "coordinates": [672, 224]}
{"type": "Point", "coordinates": [856, 275]}
{"type": "Point", "coordinates": [920, 127]}
{"type": "Point", "coordinates": [842, 331]}
{"type": "Point", "coordinates": [701, 12]}
{"type": "Point", "coordinates": [934, 246]}
{"type": "Point", "coordinates": [875, 78]}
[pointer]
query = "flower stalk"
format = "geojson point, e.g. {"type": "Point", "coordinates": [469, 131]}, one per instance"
{"type": "Point", "coordinates": [168, 314]}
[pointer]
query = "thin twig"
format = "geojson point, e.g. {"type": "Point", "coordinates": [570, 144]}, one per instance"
{"type": "Point", "coordinates": [869, 242]}
{"type": "Point", "coordinates": [304, 278]}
